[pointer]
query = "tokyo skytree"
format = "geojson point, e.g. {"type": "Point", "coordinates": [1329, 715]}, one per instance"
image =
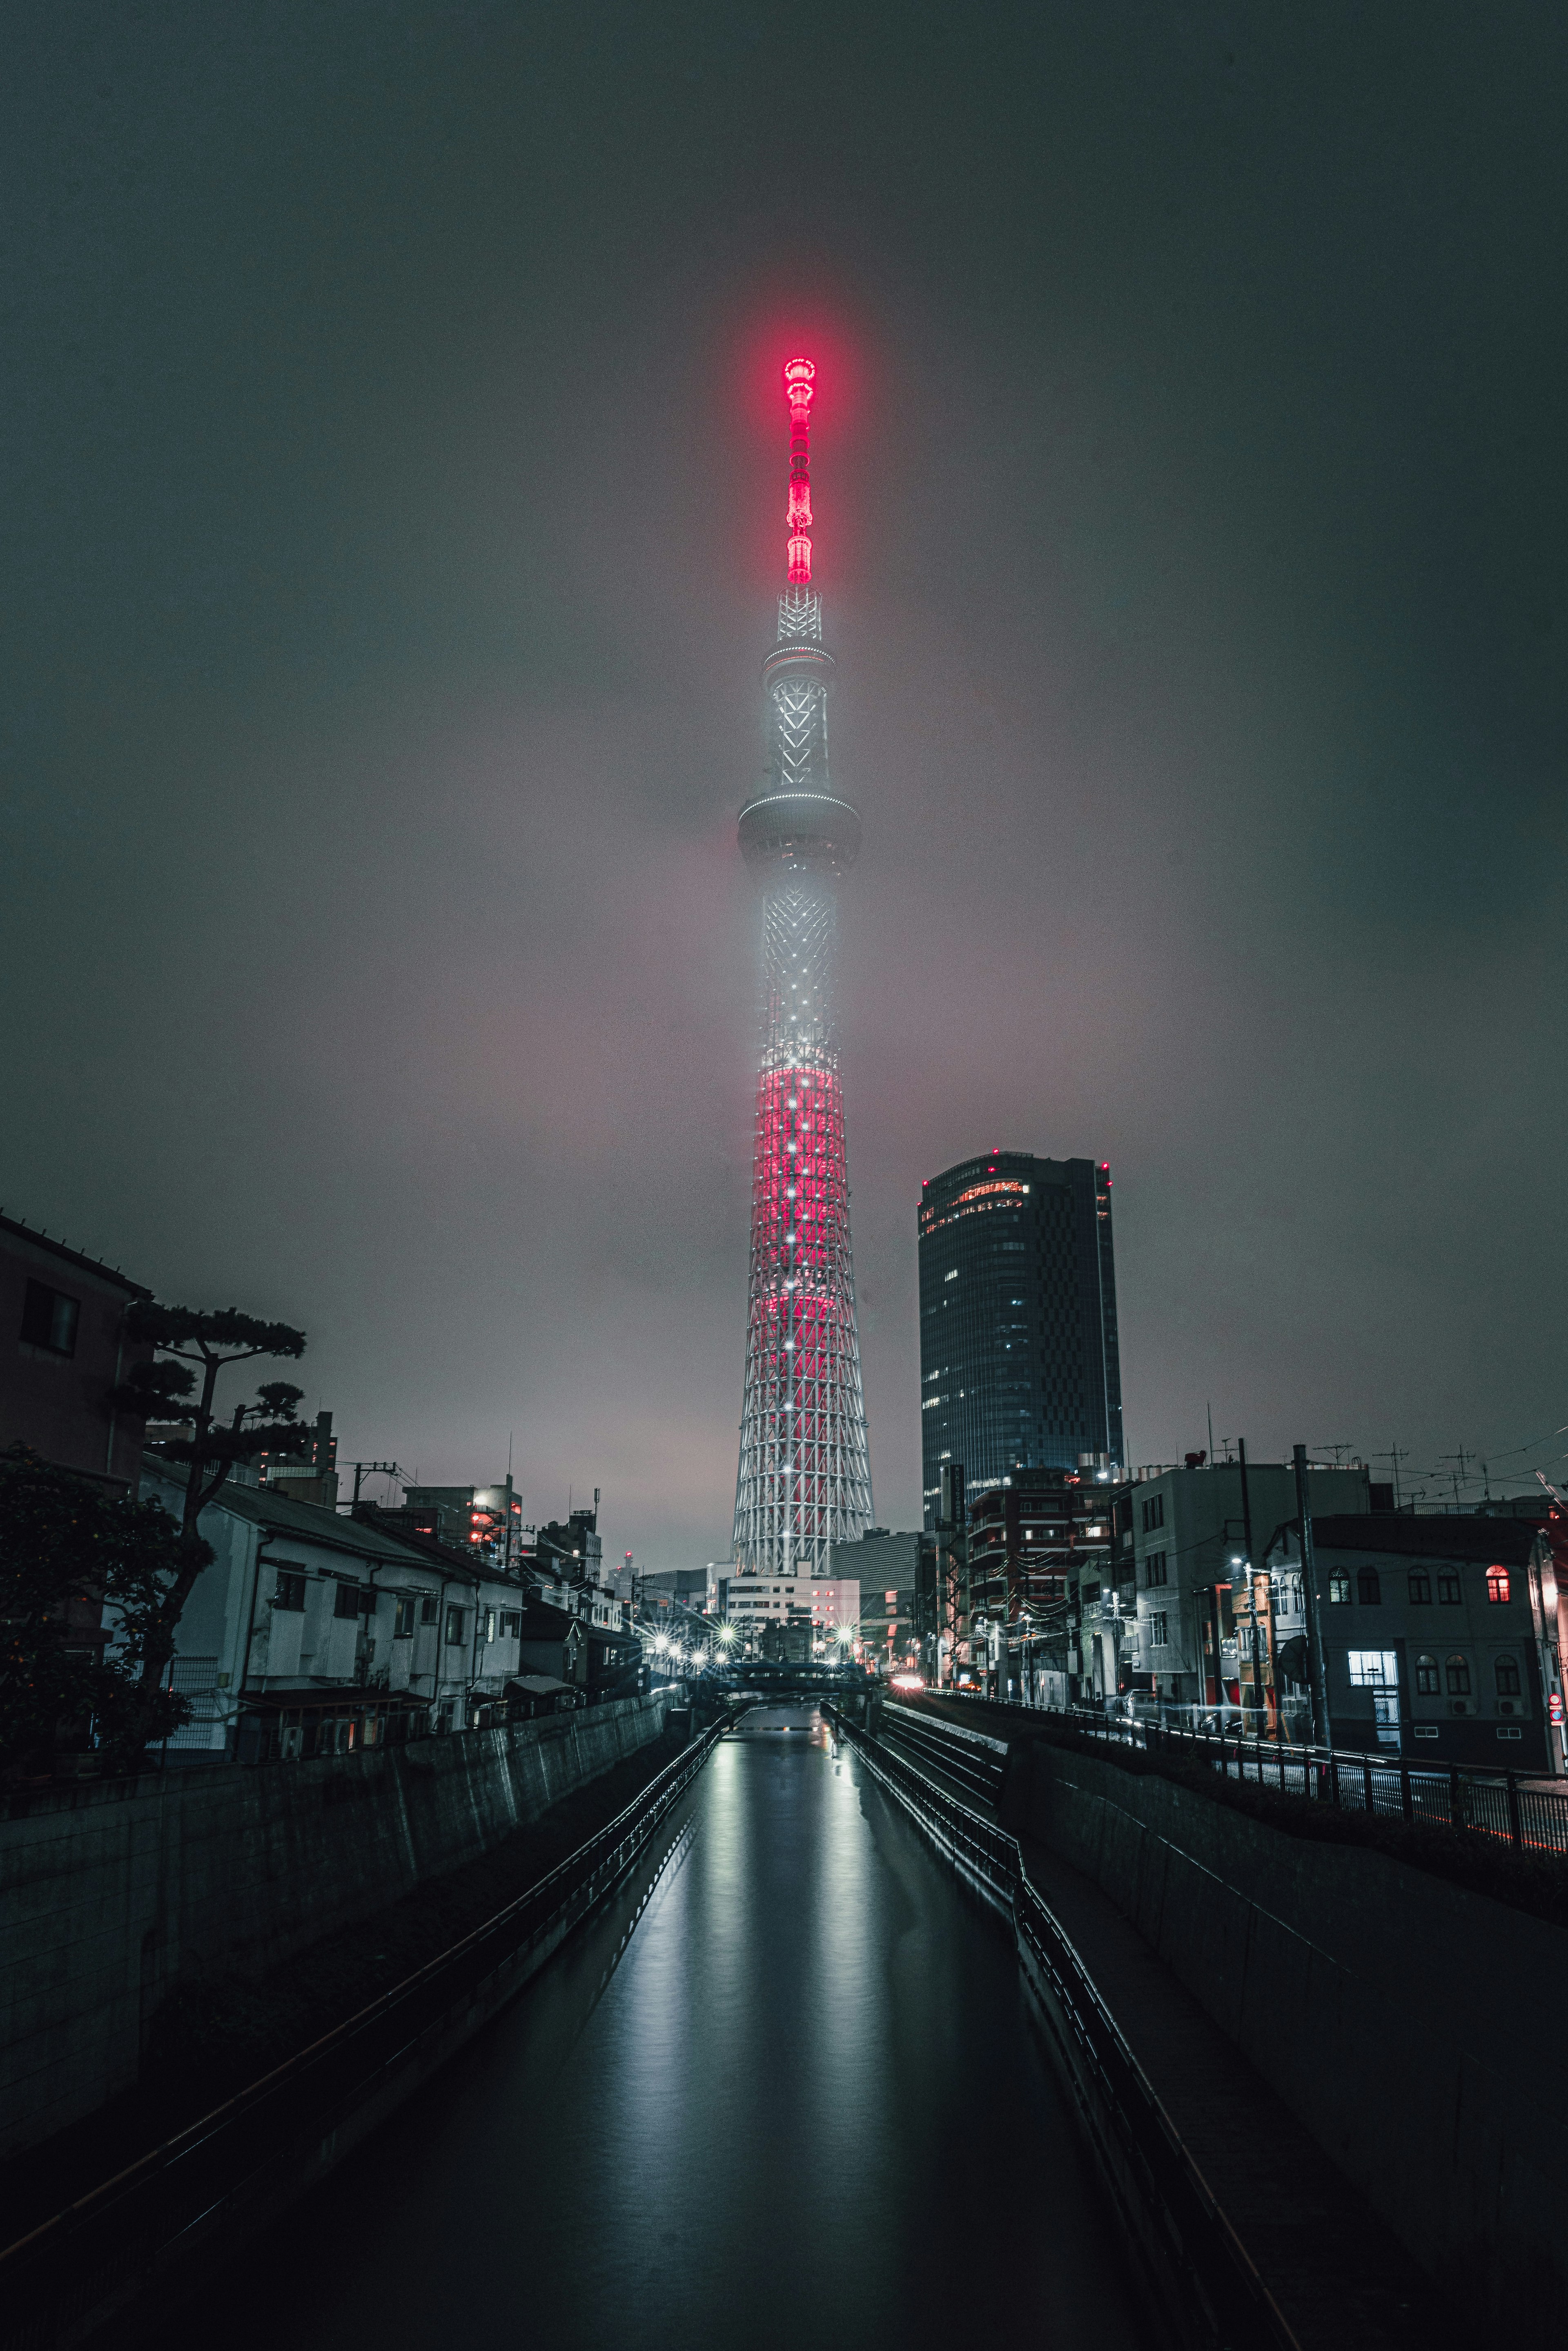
{"type": "Point", "coordinates": [804, 1480]}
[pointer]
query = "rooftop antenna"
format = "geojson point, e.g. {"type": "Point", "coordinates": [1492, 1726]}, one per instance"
{"type": "Point", "coordinates": [1394, 1456]}
{"type": "Point", "coordinates": [1458, 1470]}
{"type": "Point", "coordinates": [1211, 1432]}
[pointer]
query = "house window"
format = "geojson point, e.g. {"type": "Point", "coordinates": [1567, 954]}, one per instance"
{"type": "Point", "coordinates": [49, 1319]}
{"type": "Point", "coordinates": [1427, 1676]}
{"type": "Point", "coordinates": [455, 1620]}
{"type": "Point", "coordinates": [1159, 1629]}
{"type": "Point", "coordinates": [1507, 1677]}
{"type": "Point", "coordinates": [1497, 1587]}
{"type": "Point", "coordinates": [1459, 1676]}
{"type": "Point", "coordinates": [1090, 1592]}
{"type": "Point", "coordinates": [490, 1623]}
{"type": "Point", "coordinates": [1339, 1590]}
{"type": "Point", "coordinates": [1420, 1588]}
{"type": "Point", "coordinates": [512, 1625]}
{"type": "Point", "coordinates": [1448, 1593]}
{"type": "Point", "coordinates": [1374, 1669]}
{"type": "Point", "coordinates": [1368, 1588]}
{"type": "Point", "coordinates": [290, 1592]}
{"type": "Point", "coordinates": [1153, 1512]}
{"type": "Point", "coordinates": [347, 1603]}
{"type": "Point", "coordinates": [428, 1612]}
{"type": "Point", "coordinates": [1155, 1563]}
{"type": "Point", "coordinates": [402, 1617]}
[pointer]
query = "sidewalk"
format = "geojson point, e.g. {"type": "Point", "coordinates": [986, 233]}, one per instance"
{"type": "Point", "coordinates": [1338, 2275]}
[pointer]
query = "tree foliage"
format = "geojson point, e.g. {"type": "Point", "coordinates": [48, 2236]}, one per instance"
{"type": "Point", "coordinates": [68, 1548]}
{"type": "Point", "coordinates": [195, 1347]}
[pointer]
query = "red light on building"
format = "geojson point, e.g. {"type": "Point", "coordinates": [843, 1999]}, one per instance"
{"type": "Point", "coordinates": [799, 560]}
{"type": "Point", "coordinates": [799, 515]}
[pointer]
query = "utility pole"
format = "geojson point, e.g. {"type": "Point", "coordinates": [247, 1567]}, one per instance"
{"type": "Point", "coordinates": [363, 1469]}
{"type": "Point", "coordinates": [1252, 1595]}
{"type": "Point", "coordinates": [1322, 1725]}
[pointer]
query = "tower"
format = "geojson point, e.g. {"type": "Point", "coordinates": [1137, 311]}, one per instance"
{"type": "Point", "coordinates": [804, 1477]}
{"type": "Point", "coordinates": [1019, 1361]}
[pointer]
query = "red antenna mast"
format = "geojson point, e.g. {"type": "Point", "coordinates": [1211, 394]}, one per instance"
{"type": "Point", "coordinates": [799, 383]}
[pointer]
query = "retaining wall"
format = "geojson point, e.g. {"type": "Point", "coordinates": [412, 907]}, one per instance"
{"type": "Point", "coordinates": [1410, 2024]}
{"type": "Point", "coordinates": [112, 1892]}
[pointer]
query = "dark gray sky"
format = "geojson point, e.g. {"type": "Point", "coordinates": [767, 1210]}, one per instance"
{"type": "Point", "coordinates": [393, 467]}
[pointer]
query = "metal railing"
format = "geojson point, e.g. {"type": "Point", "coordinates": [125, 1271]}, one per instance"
{"type": "Point", "coordinates": [1223, 2300]}
{"type": "Point", "coordinates": [79, 2271]}
{"type": "Point", "coordinates": [976, 1763]}
{"type": "Point", "coordinates": [1509, 1807]}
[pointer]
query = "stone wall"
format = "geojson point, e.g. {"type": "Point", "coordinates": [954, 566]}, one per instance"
{"type": "Point", "coordinates": [1410, 2024]}
{"type": "Point", "coordinates": [112, 1892]}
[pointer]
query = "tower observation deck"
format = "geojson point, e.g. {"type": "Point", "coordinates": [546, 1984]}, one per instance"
{"type": "Point", "coordinates": [804, 1476]}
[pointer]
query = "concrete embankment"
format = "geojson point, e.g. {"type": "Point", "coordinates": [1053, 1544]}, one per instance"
{"type": "Point", "coordinates": [1408, 2022]}
{"type": "Point", "coordinates": [114, 1893]}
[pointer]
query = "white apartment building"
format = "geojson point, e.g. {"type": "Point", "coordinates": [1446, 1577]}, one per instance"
{"type": "Point", "coordinates": [313, 1633]}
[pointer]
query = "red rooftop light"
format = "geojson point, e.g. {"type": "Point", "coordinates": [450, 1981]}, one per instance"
{"type": "Point", "coordinates": [799, 390]}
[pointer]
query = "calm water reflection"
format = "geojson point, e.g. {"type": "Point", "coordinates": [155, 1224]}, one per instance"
{"type": "Point", "coordinates": [802, 2098]}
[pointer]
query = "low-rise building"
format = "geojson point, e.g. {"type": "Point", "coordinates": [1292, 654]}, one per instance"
{"type": "Point", "coordinates": [1164, 1630]}
{"type": "Point", "coordinates": [313, 1632]}
{"type": "Point", "coordinates": [63, 1349]}
{"type": "Point", "coordinates": [1439, 1635]}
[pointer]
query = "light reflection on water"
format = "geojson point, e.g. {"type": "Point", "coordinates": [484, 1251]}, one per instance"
{"type": "Point", "coordinates": [804, 2095]}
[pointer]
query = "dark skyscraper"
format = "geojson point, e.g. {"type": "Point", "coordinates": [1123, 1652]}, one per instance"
{"type": "Point", "coordinates": [1019, 1362]}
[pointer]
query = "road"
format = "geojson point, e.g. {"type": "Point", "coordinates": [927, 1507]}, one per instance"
{"type": "Point", "coordinates": [781, 2088]}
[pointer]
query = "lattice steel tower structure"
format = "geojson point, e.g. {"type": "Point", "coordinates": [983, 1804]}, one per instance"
{"type": "Point", "coordinates": [804, 1480]}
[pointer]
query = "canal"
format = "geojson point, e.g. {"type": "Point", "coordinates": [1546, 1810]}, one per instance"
{"type": "Point", "coordinates": [782, 2087]}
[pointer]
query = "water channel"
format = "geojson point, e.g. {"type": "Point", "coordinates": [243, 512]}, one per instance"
{"type": "Point", "coordinates": [782, 2087]}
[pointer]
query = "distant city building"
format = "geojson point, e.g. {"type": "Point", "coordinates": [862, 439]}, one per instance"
{"type": "Point", "coordinates": [62, 1322]}
{"type": "Point", "coordinates": [1029, 1534]}
{"type": "Point", "coordinates": [889, 1571]}
{"type": "Point", "coordinates": [488, 1520]}
{"type": "Point", "coordinates": [313, 1479]}
{"type": "Point", "coordinates": [789, 1616]}
{"type": "Point", "coordinates": [1019, 1362]}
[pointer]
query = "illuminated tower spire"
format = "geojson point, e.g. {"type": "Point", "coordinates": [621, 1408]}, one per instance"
{"type": "Point", "coordinates": [804, 1478]}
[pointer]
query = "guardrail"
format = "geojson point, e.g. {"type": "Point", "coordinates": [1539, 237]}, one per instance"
{"type": "Point", "coordinates": [1201, 2272]}
{"type": "Point", "coordinates": [219, 2180]}
{"type": "Point", "coordinates": [1505, 1806]}
{"type": "Point", "coordinates": [968, 1757]}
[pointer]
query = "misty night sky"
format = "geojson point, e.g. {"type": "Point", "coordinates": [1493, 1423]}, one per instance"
{"type": "Point", "coordinates": [392, 513]}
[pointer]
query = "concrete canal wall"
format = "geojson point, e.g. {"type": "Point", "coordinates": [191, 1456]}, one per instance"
{"type": "Point", "coordinates": [1410, 2023]}
{"type": "Point", "coordinates": [113, 1892]}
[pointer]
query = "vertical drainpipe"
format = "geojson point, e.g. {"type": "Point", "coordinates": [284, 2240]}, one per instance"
{"type": "Point", "coordinates": [263, 1544]}
{"type": "Point", "coordinates": [113, 1407]}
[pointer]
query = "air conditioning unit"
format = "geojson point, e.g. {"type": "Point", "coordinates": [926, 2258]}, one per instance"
{"type": "Point", "coordinates": [1506, 1706]}
{"type": "Point", "coordinates": [1459, 1706]}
